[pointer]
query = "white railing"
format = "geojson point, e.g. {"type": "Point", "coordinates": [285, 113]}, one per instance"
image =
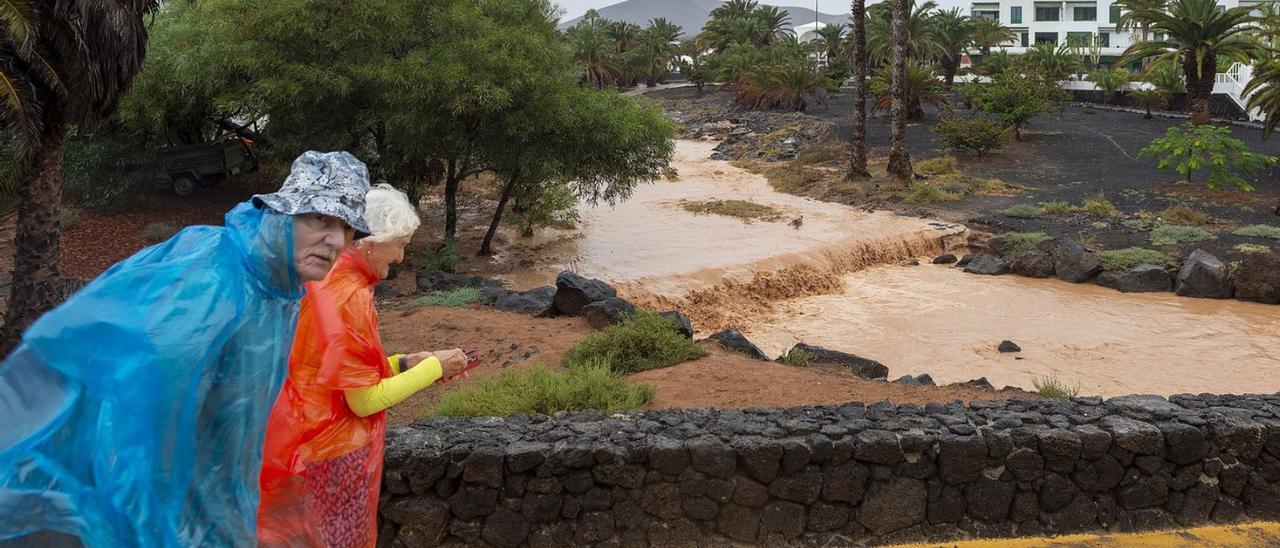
{"type": "Point", "coordinates": [1232, 83]}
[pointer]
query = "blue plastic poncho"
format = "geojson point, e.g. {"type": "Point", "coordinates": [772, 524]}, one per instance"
{"type": "Point", "coordinates": [134, 413]}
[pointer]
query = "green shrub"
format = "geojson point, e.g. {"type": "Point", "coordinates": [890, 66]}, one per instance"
{"type": "Point", "coordinates": [1098, 205]}
{"type": "Point", "coordinates": [1054, 389]}
{"type": "Point", "coordinates": [1259, 231]}
{"type": "Point", "coordinates": [1179, 234]}
{"type": "Point", "coordinates": [641, 342]}
{"type": "Point", "coordinates": [797, 357]}
{"type": "Point", "coordinates": [1013, 243]}
{"type": "Point", "coordinates": [976, 135]}
{"type": "Point", "coordinates": [1023, 211]}
{"type": "Point", "coordinates": [456, 298]}
{"type": "Point", "coordinates": [155, 233]}
{"type": "Point", "coordinates": [1057, 208]}
{"type": "Point", "coordinates": [1193, 147]}
{"type": "Point", "coordinates": [938, 165]}
{"type": "Point", "coordinates": [1118, 260]}
{"type": "Point", "coordinates": [1252, 248]}
{"type": "Point", "coordinates": [925, 193]}
{"type": "Point", "coordinates": [588, 386]}
{"type": "Point", "coordinates": [441, 257]}
{"type": "Point", "coordinates": [1183, 215]}
{"type": "Point", "coordinates": [68, 218]}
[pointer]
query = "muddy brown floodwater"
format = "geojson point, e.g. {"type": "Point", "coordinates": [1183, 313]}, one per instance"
{"type": "Point", "coordinates": [941, 321]}
{"type": "Point", "coordinates": [836, 281]}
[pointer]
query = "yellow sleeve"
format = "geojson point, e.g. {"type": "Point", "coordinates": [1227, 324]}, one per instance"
{"type": "Point", "coordinates": [368, 400]}
{"type": "Point", "coordinates": [394, 361]}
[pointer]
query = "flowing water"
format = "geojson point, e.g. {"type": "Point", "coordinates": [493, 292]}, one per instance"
{"type": "Point", "coordinates": [836, 281]}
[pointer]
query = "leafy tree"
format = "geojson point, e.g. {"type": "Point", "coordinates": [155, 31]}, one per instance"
{"type": "Point", "coordinates": [1110, 81]}
{"type": "Point", "coordinates": [1198, 34]}
{"type": "Point", "coordinates": [989, 33]}
{"type": "Point", "coordinates": [65, 65]}
{"type": "Point", "coordinates": [922, 87]}
{"type": "Point", "coordinates": [1016, 97]}
{"type": "Point", "coordinates": [1193, 147]}
{"type": "Point", "coordinates": [692, 59]}
{"type": "Point", "coordinates": [954, 33]}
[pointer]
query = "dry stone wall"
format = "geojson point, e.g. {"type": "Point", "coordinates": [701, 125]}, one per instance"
{"type": "Point", "coordinates": [848, 474]}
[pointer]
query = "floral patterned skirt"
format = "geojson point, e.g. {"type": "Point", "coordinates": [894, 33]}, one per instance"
{"type": "Point", "coordinates": [340, 497]}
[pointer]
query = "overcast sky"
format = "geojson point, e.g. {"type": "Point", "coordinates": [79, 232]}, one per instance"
{"type": "Point", "coordinates": [575, 8]}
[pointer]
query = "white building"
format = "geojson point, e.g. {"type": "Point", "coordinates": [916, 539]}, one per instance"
{"type": "Point", "coordinates": [1066, 22]}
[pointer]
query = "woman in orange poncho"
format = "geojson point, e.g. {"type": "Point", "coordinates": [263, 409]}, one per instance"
{"type": "Point", "coordinates": [322, 460]}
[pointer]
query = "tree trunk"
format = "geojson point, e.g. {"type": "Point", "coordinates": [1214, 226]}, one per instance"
{"type": "Point", "coordinates": [949, 66]}
{"type": "Point", "coordinates": [899, 161]}
{"type": "Point", "coordinates": [507, 190]}
{"type": "Point", "coordinates": [451, 184]}
{"type": "Point", "coordinates": [1199, 86]}
{"type": "Point", "coordinates": [36, 284]}
{"type": "Point", "coordinates": [858, 51]}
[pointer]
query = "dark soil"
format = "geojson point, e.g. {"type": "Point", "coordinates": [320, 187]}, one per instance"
{"type": "Point", "coordinates": [1068, 156]}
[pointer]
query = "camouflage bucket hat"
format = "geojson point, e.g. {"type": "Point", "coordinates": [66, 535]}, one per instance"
{"type": "Point", "coordinates": [327, 183]}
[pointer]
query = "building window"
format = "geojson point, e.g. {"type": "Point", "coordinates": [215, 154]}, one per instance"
{"type": "Point", "coordinates": [1084, 13]}
{"type": "Point", "coordinates": [1022, 39]}
{"type": "Point", "coordinates": [1104, 38]}
{"type": "Point", "coordinates": [993, 15]}
{"type": "Point", "coordinates": [1115, 13]}
{"type": "Point", "coordinates": [1046, 13]}
{"type": "Point", "coordinates": [1079, 39]}
{"type": "Point", "coordinates": [1046, 37]}
{"type": "Point", "coordinates": [1015, 15]}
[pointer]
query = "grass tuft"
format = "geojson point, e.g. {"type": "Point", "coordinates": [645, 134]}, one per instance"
{"type": "Point", "coordinates": [1057, 208]}
{"type": "Point", "coordinates": [741, 209]}
{"type": "Point", "coordinates": [1023, 211]}
{"type": "Point", "coordinates": [1098, 205]}
{"type": "Point", "coordinates": [938, 166]}
{"type": "Point", "coordinates": [537, 390]}
{"type": "Point", "coordinates": [990, 187]}
{"type": "Point", "coordinates": [1013, 243]}
{"type": "Point", "coordinates": [821, 153]}
{"type": "Point", "coordinates": [925, 193]}
{"type": "Point", "coordinates": [1054, 389]}
{"type": "Point", "coordinates": [641, 342]}
{"type": "Point", "coordinates": [797, 357]}
{"type": "Point", "coordinates": [1259, 231]}
{"type": "Point", "coordinates": [1252, 248]}
{"type": "Point", "coordinates": [1179, 234]}
{"type": "Point", "coordinates": [155, 233]}
{"type": "Point", "coordinates": [456, 298]}
{"type": "Point", "coordinates": [1118, 260]}
{"type": "Point", "coordinates": [1183, 215]}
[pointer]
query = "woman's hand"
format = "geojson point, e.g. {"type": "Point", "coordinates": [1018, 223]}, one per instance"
{"type": "Point", "coordinates": [452, 361]}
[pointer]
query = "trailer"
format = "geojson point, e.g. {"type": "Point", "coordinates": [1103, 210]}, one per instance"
{"type": "Point", "coordinates": [192, 166]}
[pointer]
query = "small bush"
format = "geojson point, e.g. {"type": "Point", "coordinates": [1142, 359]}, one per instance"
{"type": "Point", "coordinates": [456, 298]}
{"type": "Point", "coordinates": [793, 179]}
{"type": "Point", "coordinates": [990, 187]}
{"type": "Point", "coordinates": [441, 257]}
{"type": "Point", "coordinates": [68, 218]}
{"type": "Point", "coordinates": [1057, 208]}
{"type": "Point", "coordinates": [1023, 211]}
{"type": "Point", "coordinates": [938, 165]}
{"type": "Point", "coordinates": [1054, 389]}
{"type": "Point", "coordinates": [1118, 260]}
{"type": "Point", "coordinates": [1098, 205]}
{"type": "Point", "coordinates": [155, 233]}
{"type": "Point", "coordinates": [641, 342]}
{"type": "Point", "coordinates": [1179, 234]}
{"type": "Point", "coordinates": [669, 173]}
{"type": "Point", "coordinates": [797, 357]}
{"type": "Point", "coordinates": [742, 209]}
{"type": "Point", "coordinates": [1252, 248]}
{"type": "Point", "coordinates": [977, 135]}
{"type": "Point", "coordinates": [827, 151]}
{"type": "Point", "coordinates": [925, 193]}
{"type": "Point", "coordinates": [1194, 147]}
{"type": "Point", "coordinates": [588, 386]}
{"type": "Point", "coordinates": [1013, 243]}
{"type": "Point", "coordinates": [1259, 231]}
{"type": "Point", "coordinates": [1183, 215]}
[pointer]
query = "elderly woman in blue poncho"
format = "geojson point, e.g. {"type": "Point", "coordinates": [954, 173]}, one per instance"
{"type": "Point", "coordinates": [134, 413]}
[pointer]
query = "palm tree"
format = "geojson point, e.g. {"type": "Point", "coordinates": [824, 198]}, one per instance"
{"type": "Point", "coordinates": [735, 9]}
{"type": "Point", "coordinates": [830, 41]}
{"type": "Point", "coordinates": [655, 50]}
{"type": "Point", "coordinates": [593, 49]}
{"type": "Point", "coordinates": [989, 33]}
{"type": "Point", "coordinates": [998, 62]}
{"type": "Point", "coordinates": [65, 64]}
{"type": "Point", "coordinates": [1198, 34]}
{"type": "Point", "coordinates": [1126, 22]}
{"type": "Point", "coordinates": [921, 40]}
{"type": "Point", "coordinates": [900, 171]}
{"type": "Point", "coordinates": [624, 35]}
{"type": "Point", "coordinates": [1110, 81]}
{"type": "Point", "coordinates": [775, 23]}
{"type": "Point", "coordinates": [953, 32]}
{"type": "Point", "coordinates": [1147, 99]}
{"type": "Point", "coordinates": [858, 55]}
{"type": "Point", "coordinates": [1167, 79]}
{"type": "Point", "coordinates": [922, 87]}
{"type": "Point", "coordinates": [791, 83]}
{"type": "Point", "coordinates": [692, 58]}
{"type": "Point", "coordinates": [1263, 92]}
{"type": "Point", "coordinates": [1056, 62]}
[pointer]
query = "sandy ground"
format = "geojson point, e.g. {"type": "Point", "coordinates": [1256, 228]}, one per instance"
{"type": "Point", "coordinates": [722, 379]}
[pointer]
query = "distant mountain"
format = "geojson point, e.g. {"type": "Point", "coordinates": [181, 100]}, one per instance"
{"type": "Point", "coordinates": [691, 15]}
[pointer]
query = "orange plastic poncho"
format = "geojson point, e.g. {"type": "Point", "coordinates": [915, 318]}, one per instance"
{"type": "Point", "coordinates": [322, 464]}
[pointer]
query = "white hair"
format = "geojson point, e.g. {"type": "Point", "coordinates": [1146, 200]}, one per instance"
{"type": "Point", "coordinates": [389, 214]}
